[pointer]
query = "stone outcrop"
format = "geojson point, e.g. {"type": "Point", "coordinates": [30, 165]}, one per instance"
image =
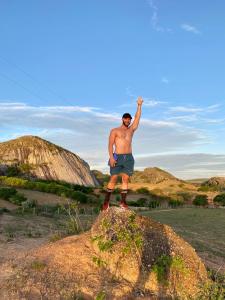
{"type": "Point", "coordinates": [123, 256]}
{"type": "Point", "coordinates": [45, 160]}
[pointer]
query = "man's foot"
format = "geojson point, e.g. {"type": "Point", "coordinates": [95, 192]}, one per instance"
{"type": "Point", "coordinates": [105, 205]}
{"type": "Point", "coordinates": [123, 205]}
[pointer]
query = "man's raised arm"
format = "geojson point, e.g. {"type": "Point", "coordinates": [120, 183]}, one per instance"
{"type": "Point", "coordinates": [137, 117]}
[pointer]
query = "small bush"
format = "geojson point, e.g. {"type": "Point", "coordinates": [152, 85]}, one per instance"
{"type": "Point", "coordinates": [29, 204]}
{"type": "Point", "coordinates": [175, 203]}
{"type": "Point", "coordinates": [142, 201]}
{"type": "Point", "coordinates": [220, 199]}
{"type": "Point", "coordinates": [12, 171]}
{"type": "Point", "coordinates": [143, 190]}
{"type": "Point", "coordinates": [200, 200]}
{"type": "Point", "coordinates": [154, 204]}
{"type": "Point", "coordinates": [6, 193]}
{"type": "Point", "coordinates": [186, 196]}
{"type": "Point", "coordinates": [17, 199]}
{"type": "Point", "coordinates": [214, 289]}
{"type": "Point", "coordinates": [3, 209]}
{"type": "Point", "coordinates": [79, 196]}
{"type": "Point", "coordinates": [138, 203]}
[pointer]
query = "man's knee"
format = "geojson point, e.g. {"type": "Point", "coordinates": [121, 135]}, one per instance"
{"type": "Point", "coordinates": [125, 177]}
{"type": "Point", "coordinates": [113, 178]}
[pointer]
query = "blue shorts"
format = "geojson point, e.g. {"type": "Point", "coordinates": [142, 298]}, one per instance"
{"type": "Point", "coordinates": [124, 164]}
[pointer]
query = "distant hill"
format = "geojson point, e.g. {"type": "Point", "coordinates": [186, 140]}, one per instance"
{"type": "Point", "coordinates": [152, 176]}
{"type": "Point", "coordinates": [216, 182]}
{"type": "Point", "coordinates": [39, 158]}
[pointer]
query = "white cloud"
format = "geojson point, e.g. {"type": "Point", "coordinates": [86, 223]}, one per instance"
{"type": "Point", "coordinates": [152, 102]}
{"type": "Point", "coordinates": [190, 28]}
{"type": "Point", "coordinates": [191, 109]}
{"type": "Point", "coordinates": [184, 118]}
{"type": "Point", "coordinates": [155, 18]}
{"type": "Point", "coordinates": [185, 109]}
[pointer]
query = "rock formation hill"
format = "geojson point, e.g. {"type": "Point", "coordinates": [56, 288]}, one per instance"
{"type": "Point", "coordinates": [217, 182]}
{"type": "Point", "coordinates": [152, 175]}
{"type": "Point", "coordinates": [45, 160]}
{"type": "Point", "coordinates": [123, 256]}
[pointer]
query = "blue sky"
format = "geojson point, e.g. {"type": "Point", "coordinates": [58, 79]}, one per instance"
{"type": "Point", "coordinates": [70, 69]}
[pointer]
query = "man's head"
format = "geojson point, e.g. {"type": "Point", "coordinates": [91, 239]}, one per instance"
{"type": "Point", "coordinates": [126, 118]}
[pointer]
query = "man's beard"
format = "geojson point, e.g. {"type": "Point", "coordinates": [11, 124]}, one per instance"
{"type": "Point", "coordinates": [125, 124]}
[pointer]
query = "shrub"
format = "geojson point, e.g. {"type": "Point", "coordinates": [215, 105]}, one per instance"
{"type": "Point", "coordinates": [143, 190]}
{"type": "Point", "coordinates": [154, 204]}
{"type": "Point", "coordinates": [3, 209]}
{"type": "Point", "coordinates": [175, 203]}
{"type": "Point", "coordinates": [12, 171]}
{"type": "Point", "coordinates": [186, 196]}
{"type": "Point", "coordinates": [6, 193]}
{"type": "Point", "coordinates": [79, 196]}
{"type": "Point", "coordinates": [29, 204]}
{"type": "Point", "coordinates": [200, 200]}
{"type": "Point", "coordinates": [17, 199]}
{"type": "Point", "coordinates": [139, 203]}
{"type": "Point", "coordinates": [13, 181]}
{"type": "Point", "coordinates": [142, 201]}
{"type": "Point", "coordinates": [84, 189]}
{"type": "Point", "coordinates": [214, 289]}
{"type": "Point", "coordinates": [220, 199]}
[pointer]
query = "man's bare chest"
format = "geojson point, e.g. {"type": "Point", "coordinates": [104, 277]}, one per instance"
{"type": "Point", "coordinates": [126, 135]}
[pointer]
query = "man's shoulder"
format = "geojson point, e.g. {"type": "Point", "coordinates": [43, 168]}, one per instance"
{"type": "Point", "coordinates": [115, 129]}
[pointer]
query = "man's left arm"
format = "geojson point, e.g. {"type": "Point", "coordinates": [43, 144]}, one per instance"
{"type": "Point", "coordinates": [137, 117]}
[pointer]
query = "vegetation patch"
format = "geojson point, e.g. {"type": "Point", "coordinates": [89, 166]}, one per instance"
{"type": "Point", "coordinates": [200, 200]}
{"type": "Point", "coordinates": [38, 265]}
{"type": "Point", "coordinates": [166, 264]}
{"type": "Point", "coordinates": [214, 289]}
{"type": "Point", "coordinates": [129, 237]}
{"type": "Point", "coordinates": [73, 191]}
{"type": "Point", "coordinates": [220, 199]}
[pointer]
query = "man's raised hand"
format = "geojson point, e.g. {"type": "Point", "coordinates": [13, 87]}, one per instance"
{"type": "Point", "coordinates": [140, 100]}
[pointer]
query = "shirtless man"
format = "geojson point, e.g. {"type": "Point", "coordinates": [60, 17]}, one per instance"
{"type": "Point", "coordinates": [121, 159]}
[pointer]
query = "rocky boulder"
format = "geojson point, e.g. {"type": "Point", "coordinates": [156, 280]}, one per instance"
{"type": "Point", "coordinates": [122, 256]}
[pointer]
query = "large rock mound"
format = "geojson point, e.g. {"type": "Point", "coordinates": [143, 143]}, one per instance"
{"type": "Point", "coordinates": [123, 256]}
{"type": "Point", "coordinates": [45, 160]}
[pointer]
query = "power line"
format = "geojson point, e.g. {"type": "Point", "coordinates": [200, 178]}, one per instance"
{"type": "Point", "coordinates": [21, 85]}
{"type": "Point", "coordinates": [32, 78]}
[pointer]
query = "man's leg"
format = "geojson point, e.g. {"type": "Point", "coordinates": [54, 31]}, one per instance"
{"type": "Point", "coordinates": [124, 190]}
{"type": "Point", "coordinates": [109, 190]}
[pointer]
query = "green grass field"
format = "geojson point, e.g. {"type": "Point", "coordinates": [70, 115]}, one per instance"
{"type": "Point", "coordinates": [203, 228]}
